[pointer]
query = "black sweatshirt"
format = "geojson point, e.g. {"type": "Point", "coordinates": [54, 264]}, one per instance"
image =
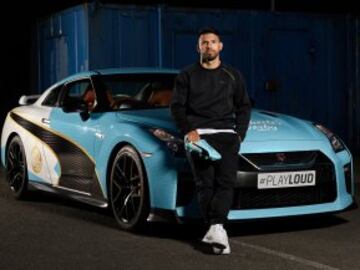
{"type": "Point", "coordinates": [210, 98]}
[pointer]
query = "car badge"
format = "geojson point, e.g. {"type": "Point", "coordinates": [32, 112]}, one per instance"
{"type": "Point", "coordinates": [36, 159]}
{"type": "Point", "coordinates": [281, 157]}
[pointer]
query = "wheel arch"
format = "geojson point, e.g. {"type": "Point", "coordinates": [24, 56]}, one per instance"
{"type": "Point", "coordinates": [8, 140]}
{"type": "Point", "coordinates": [112, 156]}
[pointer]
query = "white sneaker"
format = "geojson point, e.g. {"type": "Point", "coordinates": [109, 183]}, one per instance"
{"type": "Point", "coordinates": [220, 251]}
{"type": "Point", "coordinates": [217, 237]}
{"type": "Point", "coordinates": [208, 236]}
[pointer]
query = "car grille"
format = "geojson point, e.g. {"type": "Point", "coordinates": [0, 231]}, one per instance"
{"type": "Point", "coordinates": [247, 196]}
{"type": "Point", "coordinates": [281, 160]}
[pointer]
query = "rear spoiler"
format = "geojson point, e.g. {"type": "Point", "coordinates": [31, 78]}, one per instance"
{"type": "Point", "coordinates": [27, 100]}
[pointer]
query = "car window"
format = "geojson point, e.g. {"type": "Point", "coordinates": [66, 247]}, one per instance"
{"type": "Point", "coordinates": [77, 94]}
{"type": "Point", "coordinates": [136, 91]}
{"type": "Point", "coordinates": [77, 89]}
{"type": "Point", "coordinates": [53, 97]}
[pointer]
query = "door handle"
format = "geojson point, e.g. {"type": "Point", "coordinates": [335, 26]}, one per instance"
{"type": "Point", "coordinates": [45, 121]}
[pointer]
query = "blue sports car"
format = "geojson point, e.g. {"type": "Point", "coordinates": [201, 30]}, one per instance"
{"type": "Point", "coordinates": [107, 138]}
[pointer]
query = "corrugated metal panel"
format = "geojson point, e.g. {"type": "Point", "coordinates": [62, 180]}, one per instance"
{"type": "Point", "coordinates": [62, 41]}
{"type": "Point", "coordinates": [300, 68]}
{"type": "Point", "coordinates": [293, 63]}
{"type": "Point", "coordinates": [123, 37]}
{"type": "Point", "coordinates": [180, 35]}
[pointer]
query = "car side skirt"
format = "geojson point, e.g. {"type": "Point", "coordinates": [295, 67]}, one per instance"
{"type": "Point", "coordinates": [68, 193]}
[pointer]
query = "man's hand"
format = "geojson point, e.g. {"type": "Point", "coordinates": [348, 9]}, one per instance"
{"type": "Point", "coordinates": [193, 136]}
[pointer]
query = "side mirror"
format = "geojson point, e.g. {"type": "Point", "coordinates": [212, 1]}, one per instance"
{"type": "Point", "coordinates": [27, 100]}
{"type": "Point", "coordinates": [85, 115]}
{"type": "Point", "coordinates": [79, 106]}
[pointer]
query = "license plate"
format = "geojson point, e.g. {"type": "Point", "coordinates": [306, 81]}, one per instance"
{"type": "Point", "coordinates": [286, 179]}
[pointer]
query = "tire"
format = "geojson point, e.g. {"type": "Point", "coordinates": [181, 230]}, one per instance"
{"type": "Point", "coordinates": [16, 168]}
{"type": "Point", "coordinates": [129, 199]}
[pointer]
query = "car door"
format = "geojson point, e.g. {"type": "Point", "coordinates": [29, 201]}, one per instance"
{"type": "Point", "coordinates": [32, 126]}
{"type": "Point", "coordinates": [74, 139]}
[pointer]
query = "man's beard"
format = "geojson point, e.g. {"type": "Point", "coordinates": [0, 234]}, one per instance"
{"type": "Point", "coordinates": [205, 57]}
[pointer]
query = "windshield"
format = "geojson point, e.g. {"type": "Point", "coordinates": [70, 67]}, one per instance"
{"type": "Point", "coordinates": [134, 91]}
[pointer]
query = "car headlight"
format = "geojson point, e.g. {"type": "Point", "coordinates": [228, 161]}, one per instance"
{"type": "Point", "coordinates": [335, 141]}
{"type": "Point", "coordinates": [175, 144]}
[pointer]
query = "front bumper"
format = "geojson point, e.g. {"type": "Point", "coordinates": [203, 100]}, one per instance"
{"type": "Point", "coordinates": [333, 192]}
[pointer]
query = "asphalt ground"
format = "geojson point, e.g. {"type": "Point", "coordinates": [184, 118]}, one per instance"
{"type": "Point", "coordinates": [50, 232]}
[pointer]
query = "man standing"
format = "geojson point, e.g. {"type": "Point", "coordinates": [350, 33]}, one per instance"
{"type": "Point", "coordinates": [210, 102]}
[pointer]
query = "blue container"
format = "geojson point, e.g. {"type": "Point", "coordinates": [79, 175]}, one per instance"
{"type": "Point", "coordinates": [62, 45]}
{"type": "Point", "coordinates": [299, 64]}
{"type": "Point", "coordinates": [123, 37]}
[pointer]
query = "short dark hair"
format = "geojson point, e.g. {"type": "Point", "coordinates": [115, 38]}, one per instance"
{"type": "Point", "coordinates": [208, 30]}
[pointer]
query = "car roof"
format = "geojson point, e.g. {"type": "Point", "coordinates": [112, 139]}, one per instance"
{"type": "Point", "coordinates": [114, 71]}
{"type": "Point", "coordinates": [137, 70]}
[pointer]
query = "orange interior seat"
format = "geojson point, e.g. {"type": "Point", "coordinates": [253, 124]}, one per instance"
{"type": "Point", "coordinates": [160, 97]}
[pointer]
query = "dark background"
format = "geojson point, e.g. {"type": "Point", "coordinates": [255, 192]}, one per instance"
{"type": "Point", "coordinates": [18, 29]}
{"type": "Point", "coordinates": [47, 232]}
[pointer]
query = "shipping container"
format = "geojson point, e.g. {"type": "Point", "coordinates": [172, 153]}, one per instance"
{"type": "Point", "coordinates": [306, 65]}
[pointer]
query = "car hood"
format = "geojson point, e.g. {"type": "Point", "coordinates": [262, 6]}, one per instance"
{"type": "Point", "coordinates": [264, 125]}
{"type": "Point", "coordinates": [157, 118]}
